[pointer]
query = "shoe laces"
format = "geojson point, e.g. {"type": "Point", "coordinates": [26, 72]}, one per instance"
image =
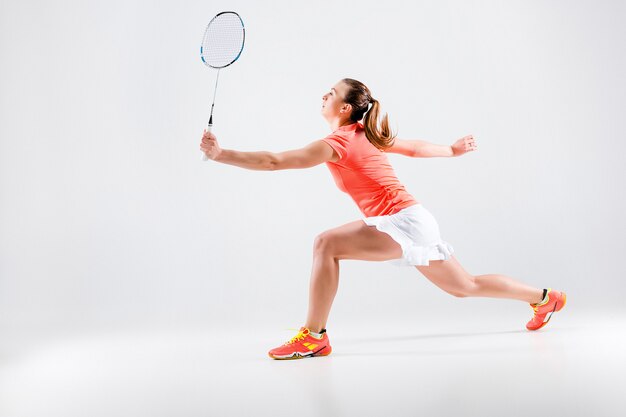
{"type": "Point", "coordinates": [300, 336]}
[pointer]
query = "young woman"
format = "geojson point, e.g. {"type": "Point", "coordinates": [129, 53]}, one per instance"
{"type": "Point", "coordinates": [395, 227]}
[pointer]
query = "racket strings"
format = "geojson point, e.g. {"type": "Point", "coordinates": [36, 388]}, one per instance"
{"type": "Point", "coordinates": [223, 40]}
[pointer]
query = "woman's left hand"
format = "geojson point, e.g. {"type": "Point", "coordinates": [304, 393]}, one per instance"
{"type": "Point", "coordinates": [464, 145]}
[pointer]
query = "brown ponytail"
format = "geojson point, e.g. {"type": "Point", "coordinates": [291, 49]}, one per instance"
{"type": "Point", "coordinates": [359, 97]}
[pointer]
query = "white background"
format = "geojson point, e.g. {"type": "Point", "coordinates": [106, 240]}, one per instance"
{"type": "Point", "coordinates": [109, 219]}
{"type": "Point", "coordinates": [137, 280]}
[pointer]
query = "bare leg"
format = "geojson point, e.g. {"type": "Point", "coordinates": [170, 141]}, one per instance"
{"type": "Point", "coordinates": [450, 276]}
{"type": "Point", "coordinates": [354, 240]}
{"type": "Point", "coordinates": [322, 290]}
{"type": "Point", "coordinates": [502, 286]}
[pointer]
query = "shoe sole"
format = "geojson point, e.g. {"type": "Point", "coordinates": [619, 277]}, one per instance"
{"type": "Point", "coordinates": [557, 308]}
{"type": "Point", "coordinates": [297, 355]}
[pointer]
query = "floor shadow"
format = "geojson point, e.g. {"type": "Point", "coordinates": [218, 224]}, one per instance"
{"type": "Point", "coordinates": [429, 336]}
{"type": "Point", "coordinates": [482, 351]}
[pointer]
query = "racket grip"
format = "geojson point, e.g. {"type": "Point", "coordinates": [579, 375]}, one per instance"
{"type": "Point", "coordinates": [204, 157]}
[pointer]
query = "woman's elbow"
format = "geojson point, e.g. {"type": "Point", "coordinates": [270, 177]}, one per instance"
{"type": "Point", "coordinates": [273, 162]}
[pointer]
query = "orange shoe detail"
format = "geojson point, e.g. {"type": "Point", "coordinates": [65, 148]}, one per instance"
{"type": "Point", "coordinates": [302, 345]}
{"type": "Point", "coordinates": [543, 312]}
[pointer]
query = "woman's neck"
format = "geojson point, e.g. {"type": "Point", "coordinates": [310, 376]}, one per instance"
{"type": "Point", "coordinates": [337, 123]}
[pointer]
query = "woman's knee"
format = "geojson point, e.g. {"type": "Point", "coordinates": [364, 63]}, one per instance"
{"type": "Point", "coordinates": [459, 293]}
{"type": "Point", "coordinates": [323, 242]}
{"type": "Point", "coordinates": [466, 289]}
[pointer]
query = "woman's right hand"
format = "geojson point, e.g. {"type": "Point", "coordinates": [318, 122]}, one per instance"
{"type": "Point", "coordinates": [210, 146]}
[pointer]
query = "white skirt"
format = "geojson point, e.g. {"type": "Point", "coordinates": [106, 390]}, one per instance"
{"type": "Point", "coordinates": [417, 232]}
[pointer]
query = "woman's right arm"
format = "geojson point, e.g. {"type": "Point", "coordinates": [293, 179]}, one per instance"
{"type": "Point", "coordinates": [313, 154]}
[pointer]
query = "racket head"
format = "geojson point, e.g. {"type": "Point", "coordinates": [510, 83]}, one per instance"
{"type": "Point", "coordinates": [223, 40]}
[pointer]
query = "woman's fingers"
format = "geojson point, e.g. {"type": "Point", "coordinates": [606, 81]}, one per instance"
{"type": "Point", "coordinates": [470, 144]}
{"type": "Point", "coordinates": [209, 139]}
{"type": "Point", "coordinates": [209, 145]}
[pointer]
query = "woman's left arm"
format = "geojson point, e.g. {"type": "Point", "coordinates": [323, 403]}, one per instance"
{"type": "Point", "coordinates": [422, 149]}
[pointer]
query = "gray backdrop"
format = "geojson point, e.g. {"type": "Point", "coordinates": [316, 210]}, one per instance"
{"type": "Point", "coordinates": [109, 219]}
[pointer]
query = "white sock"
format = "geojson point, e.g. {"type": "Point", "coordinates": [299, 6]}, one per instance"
{"type": "Point", "coordinates": [545, 299]}
{"type": "Point", "coordinates": [316, 335]}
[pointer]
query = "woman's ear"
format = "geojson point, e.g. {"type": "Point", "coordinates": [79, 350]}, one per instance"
{"type": "Point", "coordinates": [346, 108]}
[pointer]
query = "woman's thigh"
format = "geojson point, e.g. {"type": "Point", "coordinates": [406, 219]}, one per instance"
{"type": "Point", "coordinates": [356, 240]}
{"type": "Point", "coordinates": [448, 275]}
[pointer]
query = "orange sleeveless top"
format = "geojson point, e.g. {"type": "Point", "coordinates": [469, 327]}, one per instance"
{"type": "Point", "coordinates": [365, 174]}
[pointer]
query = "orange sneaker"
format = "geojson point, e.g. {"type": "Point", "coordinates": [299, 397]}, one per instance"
{"type": "Point", "coordinates": [303, 345]}
{"type": "Point", "coordinates": [543, 311]}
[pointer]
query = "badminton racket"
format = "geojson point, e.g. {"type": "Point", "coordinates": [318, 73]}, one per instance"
{"type": "Point", "coordinates": [221, 46]}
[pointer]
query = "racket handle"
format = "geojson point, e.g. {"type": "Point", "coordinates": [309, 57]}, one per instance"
{"type": "Point", "coordinates": [204, 157]}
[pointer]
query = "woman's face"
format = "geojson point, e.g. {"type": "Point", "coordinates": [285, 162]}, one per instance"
{"type": "Point", "coordinates": [333, 105]}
